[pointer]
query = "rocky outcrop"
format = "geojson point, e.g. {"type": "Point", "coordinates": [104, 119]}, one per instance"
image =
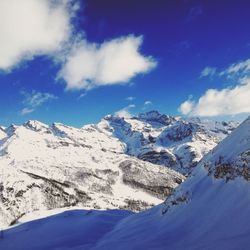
{"type": "Point", "coordinates": [155, 180]}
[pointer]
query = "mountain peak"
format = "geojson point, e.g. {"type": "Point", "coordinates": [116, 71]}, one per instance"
{"type": "Point", "coordinates": [2, 128]}
{"type": "Point", "coordinates": [155, 116]}
{"type": "Point", "coordinates": [35, 125]}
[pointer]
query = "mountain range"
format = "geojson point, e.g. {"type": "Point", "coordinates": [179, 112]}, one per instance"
{"type": "Point", "coordinates": [120, 163]}
{"type": "Point", "coordinates": [209, 210]}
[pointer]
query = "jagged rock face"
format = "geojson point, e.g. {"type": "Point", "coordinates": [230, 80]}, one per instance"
{"type": "Point", "coordinates": [163, 157]}
{"type": "Point", "coordinates": [179, 131]}
{"type": "Point", "coordinates": [155, 118]}
{"type": "Point", "coordinates": [161, 139]}
{"type": "Point", "coordinates": [43, 167]}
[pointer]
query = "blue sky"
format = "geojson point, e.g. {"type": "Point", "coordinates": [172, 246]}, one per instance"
{"type": "Point", "coordinates": [76, 61]}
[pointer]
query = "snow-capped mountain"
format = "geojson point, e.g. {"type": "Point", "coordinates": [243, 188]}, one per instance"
{"type": "Point", "coordinates": [46, 167]}
{"type": "Point", "coordinates": [210, 210]}
{"type": "Point", "coordinates": [174, 142]}
{"type": "Point", "coordinates": [113, 164]}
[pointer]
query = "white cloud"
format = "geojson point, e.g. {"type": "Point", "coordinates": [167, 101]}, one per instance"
{"type": "Point", "coordinates": [147, 103]}
{"type": "Point", "coordinates": [125, 112]}
{"type": "Point", "coordinates": [32, 27]}
{"type": "Point", "coordinates": [35, 99]}
{"type": "Point", "coordinates": [242, 67]}
{"type": "Point", "coordinates": [114, 62]}
{"type": "Point", "coordinates": [82, 95]}
{"type": "Point", "coordinates": [228, 101]}
{"type": "Point", "coordinates": [44, 27]}
{"type": "Point", "coordinates": [208, 72]}
{"type": "Point", "coordinates": [29, 28]}
{"type": "Point", "coordinates": [239, 69]}
{"type": "Point", "coordinates": [26, 111]}
{"type": "Point", "coordinates": [186, 107]}
{"type": "Point", "coordinates": [130, 98]}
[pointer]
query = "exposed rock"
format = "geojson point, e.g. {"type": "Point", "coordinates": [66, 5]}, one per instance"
{"type": "Point", "coordinates": [155, 180]}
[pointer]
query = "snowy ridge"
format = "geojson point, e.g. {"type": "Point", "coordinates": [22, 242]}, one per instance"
{"type": "Point", "coordinates": [174, 142]}
{"type": "Point", "coordinates": [103, 166]}
{"type": "Point", "coordinates": [2, 133]}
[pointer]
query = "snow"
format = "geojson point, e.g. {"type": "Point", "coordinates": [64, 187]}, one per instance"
{"type": "Point", "coordinates": [3, 134]}
{"type": "Point", "coordinates": [215, 218]}
{"type": "Point", "coordinates": [71, 229]}
{"type": "Point", "coordinates": [233, 145]}
{"type": "Point", "coordinates": [45, 167]}
{"type": "Point", "coordinates": [175, 142]}
{"type": "Point", "coordinates": [203, 213]}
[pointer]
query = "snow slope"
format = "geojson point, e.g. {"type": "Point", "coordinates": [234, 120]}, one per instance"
{"type": "Point", "coordinates": [47, 167]}
{"type": "Point", "coordinates": [71, 229]}
{"type": "Point", "coordinates": [208, 211]}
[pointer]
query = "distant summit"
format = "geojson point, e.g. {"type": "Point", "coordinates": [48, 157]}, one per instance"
{"type": "Point", "coordinates": [161, 139]}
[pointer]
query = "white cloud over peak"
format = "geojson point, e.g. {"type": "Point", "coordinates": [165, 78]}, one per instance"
{"type": "Point", "coordinates": [125, 112]}
{"type": "Point", "coordinates": [113, 62]}
{"type": "Point", "coordinates": [186, 107]}
{"type": "Point", "coordinates": [32, 27]}
{"type": "Point", "coordinates": [228, 101]}
{"type": "Point", "coordinates": [34, 99]}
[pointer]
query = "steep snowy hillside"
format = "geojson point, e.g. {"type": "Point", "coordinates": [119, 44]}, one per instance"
{"type": "Point", "coordinates": [70, 229]}
{"type": "Point", "coordinates": [44, 167]}
{"type": "Point", "coordinates": [165, 140]}
{"type": "Point", "coordinates": [208, 211]}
